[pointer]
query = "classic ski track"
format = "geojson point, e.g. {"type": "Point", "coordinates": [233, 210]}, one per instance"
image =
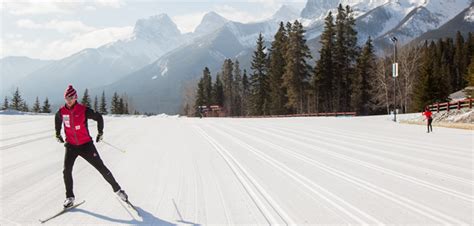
{"type": "Point", "coordinates": [398, 162]}
{"type": "Point", "coordinates": [199, 189]}
{"type": "Point", "coordinates": [240, 176]}
{"type": "Point", "coordinates": [412, 179]}
{"type": "Point", "coordinates": [370, 187]}
{"type": "Point", "coordinates": [24, 142]}
{"type": "Point", "coordinates": [399, 141]}
{"type": "Point", "coordinates": [310, 185]}
{"type": "Point", "coordinates": [26, 135]}
{"type": "Point", "coordinates": [221, 196]}
{"type": "Point", "coordinates": [23, 121]}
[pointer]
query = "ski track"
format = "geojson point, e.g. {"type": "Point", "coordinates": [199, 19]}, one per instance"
{"type": "Point", "coordinates": [288, 171]}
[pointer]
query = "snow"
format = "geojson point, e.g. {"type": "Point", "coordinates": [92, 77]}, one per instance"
{"type": "Point", "coordinates": [470, 15]}
{"type": "Point", "coordinates": [362, 170]}
{"type": "Point", "coordinates": [154, 77]}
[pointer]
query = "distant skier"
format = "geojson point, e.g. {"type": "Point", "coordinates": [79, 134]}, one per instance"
{"type": "Point", "coordinates": [429, 119]}
{"type": "Point", "coordinates": [74, 116]}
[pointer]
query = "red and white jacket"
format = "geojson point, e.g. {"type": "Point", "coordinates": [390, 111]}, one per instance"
{"type": "Point", "coordinates": [75, 123]}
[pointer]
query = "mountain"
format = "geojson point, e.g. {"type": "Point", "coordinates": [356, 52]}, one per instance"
{"type": "Point", "coordinates": [13, 69]}
{"type": "Point", "coordinates": [463, 22]}
{"type": "Point", "coordinates": [210, 22]}
{"type": "Point", "coordinates": [158, 87]}
{"type": "Point", "coordinates": [89, 68]}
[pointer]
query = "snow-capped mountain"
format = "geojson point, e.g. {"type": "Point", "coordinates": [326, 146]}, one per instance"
{"type": "Point", "coordinates": [13, 69]}
{"type": "Point", "coordinates": [89, 68]}
{"type": "Point", "coordinates": [210, 23]}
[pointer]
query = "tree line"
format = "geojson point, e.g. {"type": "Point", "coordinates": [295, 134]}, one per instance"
{"type": "Point", "coordinates": [119, 104]}
{"type": "Point", "coordinates": [346, 77]}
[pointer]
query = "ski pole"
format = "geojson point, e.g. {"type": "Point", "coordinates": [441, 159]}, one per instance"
{"type": "Point", "coordinates": [105, 142]}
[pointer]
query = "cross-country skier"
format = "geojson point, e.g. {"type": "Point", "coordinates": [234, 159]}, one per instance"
{"type": "Point", "coordinates": [429, 119]}
{"type": "Point", "coordinates": [74, 116]}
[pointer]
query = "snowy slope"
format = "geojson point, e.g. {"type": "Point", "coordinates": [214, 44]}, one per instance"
{"type": "Point", "coordinates": [365, 170]}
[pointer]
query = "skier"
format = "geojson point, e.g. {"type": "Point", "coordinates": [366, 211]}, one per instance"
{"type": "Point", "coordinates": [74, 116]}
{"type": "Point", "coordinates": [429, 119]}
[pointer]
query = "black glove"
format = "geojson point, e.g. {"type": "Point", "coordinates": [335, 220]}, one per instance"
{"type": "Point", "coordinates": [99, 137]}
{"type": "Point", "coordinates": [59, 138]}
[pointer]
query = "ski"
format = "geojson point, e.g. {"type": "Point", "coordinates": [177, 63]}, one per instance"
{"type": "Point", "coordinates": [129, 206]}
{"type": "Point", "coordinates": [64, 210]}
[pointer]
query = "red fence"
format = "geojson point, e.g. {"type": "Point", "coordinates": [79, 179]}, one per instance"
{"type": "Point", "coordinates": [466, 103]}
{"type": "Point", "coordinates": [302, 115]}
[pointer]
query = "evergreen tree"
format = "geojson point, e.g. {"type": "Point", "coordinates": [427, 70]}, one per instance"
{"type": "Point", "coordinates": [115, 107]}
{"type": "Point", "coordinates": [460, 64]}
{"type": "Point", "coordinates": [227, 81]}
{"type": "Point", "coordinates": [121, 106]}
{"type": "Point", "coordinates": [258, 80]}
{"type": "Point", "coordinates": [125, 109]}
{"type": "Point", "coordinates": [96, 104]}
{"type": "Point", "coordinates": [470, 77]}
{"type": "Point", "coordinates": [297, 70]}
{"type": "Point", "coordinates": [36, 106]}
{"type": "Point", "coordinates": [17, 101]}
{"type": "Point", "coordinates": [276, 70]}
{"type": "Point", "coordinates": [103, 104]}
{"type": "Point", "coordinates": [207, 87]}
{"type": "Point", "coordinates": [237, 89]}
{"type": "Point", "coordinates": [218, 92]}
{"type": "Point", "coordinates": [200, 96]}
{"type": "Point", "coordinates": [245, 94]}
{"type": "Point", "coordinates": [24, 107]}
{"type": "Point", "coordinates": [46, 106]}
{"type": "Point", "coordinates": [86, 100]}
{"type": "Point", "coordinates": [361, 89]}
{"type": "Point", "coordinates": [5, 104]}
{"type": "Point", "coordinates": [324, 71]}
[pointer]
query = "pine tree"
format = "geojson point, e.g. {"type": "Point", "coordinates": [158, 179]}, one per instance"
{"type": "Point", "coordinates": [237, 89]}
{"type": "Point", "coordinates": [125, 109]}
{"type": "Point", "coordinates": [86, 100]}
{"type": "Point", "coordinates": [297, 70]}
{"type": "Point", "coordinates": [218, 92]}
{"type": "Point", "coordinates": [460, 63]}
{"type": "Point", "coordinates": [115, 108]}
{"type": "Point", "coordinates": [470, 77]}
{"type": "Point", "coordinates": [5, 105]}
{"type": "Point", "coordinates": [17, 101]}
{"type": "Point", "coordinates": [103, 104]}
{"type": "Point", "coordinates": [200, 96]}
{"type": "Point", "coordinates": [361, 89]}
{"type": "Point", "coordinates": [276, 70]}
{"type": "Point", "coordinates": [36, 106]}
{"type": "Point", "coordinates": [96, 104]}
{"type": "Point", "coordinates": [207, 87]}
{"type": "Point", "coordinates": [245, 94]}
{"type": "Point", "coordinates": [46, 106]}
{"type": "Point", "coordinates": [227, 81]}
{"type": "Point", "coordinates": [24, 107]}
{"type": "Point", "coordinates": [258, 80]}
{"type": "Point", "coordinates": [322, 81]}
{"type": "Point", "coordinates": [121, 106]}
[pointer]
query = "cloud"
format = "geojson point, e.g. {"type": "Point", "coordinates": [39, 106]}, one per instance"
{"type": "Point", "coordinates": [61, 48]}
{"type": "Point", "coordinates": [65, 26]}
{"type": "Point", "coordinates": [38, 7]}
{"type": "Point", "coordinates": [188, 22]}
{"type": "Point", "coordinates": [234, 14]}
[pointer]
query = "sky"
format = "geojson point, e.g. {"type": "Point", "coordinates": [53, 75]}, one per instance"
{"type": "Point", "coordinates": [51, 30]}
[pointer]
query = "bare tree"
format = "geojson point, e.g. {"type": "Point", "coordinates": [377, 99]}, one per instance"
{"type": "Point", "coordinates": [381, 85]}
{"type": "Point", "coordinates": [409, 64]}
{"type": "Point", "coordinates": [189, 97]}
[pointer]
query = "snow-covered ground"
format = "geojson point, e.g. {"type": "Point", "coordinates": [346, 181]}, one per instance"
{"type": "Point", "coordinates": [363, 170]}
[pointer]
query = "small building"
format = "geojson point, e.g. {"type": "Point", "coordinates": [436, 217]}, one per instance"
{"type": "Point", "coordinates": [215, 111]}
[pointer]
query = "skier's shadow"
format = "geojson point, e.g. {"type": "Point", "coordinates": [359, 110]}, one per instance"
{"type": "Point", "coordinates": [148, 218]}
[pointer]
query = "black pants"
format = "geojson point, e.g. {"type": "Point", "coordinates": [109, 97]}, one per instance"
{"type": "Point", "coordinates": [430, 127]}
{"type": "Point", "coordinates": [89, 153]}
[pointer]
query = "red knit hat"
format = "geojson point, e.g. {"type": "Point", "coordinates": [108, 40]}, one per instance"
{"type": "Point", "coordinates": [70, 92]}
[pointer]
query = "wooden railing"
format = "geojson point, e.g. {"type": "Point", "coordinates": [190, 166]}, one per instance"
{"type": "Point", "coordinates": [335, 114]}
{"type": "Point", "coordinates": [456, 105]}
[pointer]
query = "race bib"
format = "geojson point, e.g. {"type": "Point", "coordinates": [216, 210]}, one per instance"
{"type": "Point", "coordinates": [66, 121]}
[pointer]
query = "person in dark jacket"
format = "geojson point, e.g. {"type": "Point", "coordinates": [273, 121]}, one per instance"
{"type": "Point", "coordinates": [74, 117]}
{"type": "Point", "coordinates": [429, 119]}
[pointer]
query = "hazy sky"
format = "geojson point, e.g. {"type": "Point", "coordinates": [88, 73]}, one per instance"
{"type": "Point", "coordinates": [47, 29]}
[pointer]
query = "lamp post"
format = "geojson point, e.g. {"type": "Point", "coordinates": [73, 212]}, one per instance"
{"type": "Point", "coordinates": [394, 75]}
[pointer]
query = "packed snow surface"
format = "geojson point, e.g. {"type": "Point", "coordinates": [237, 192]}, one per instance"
{"type": "Point", "coordinates": [176, 170]}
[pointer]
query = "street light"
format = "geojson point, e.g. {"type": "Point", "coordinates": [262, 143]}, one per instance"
{"type": "Point", "coordinates": [394, 75]}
